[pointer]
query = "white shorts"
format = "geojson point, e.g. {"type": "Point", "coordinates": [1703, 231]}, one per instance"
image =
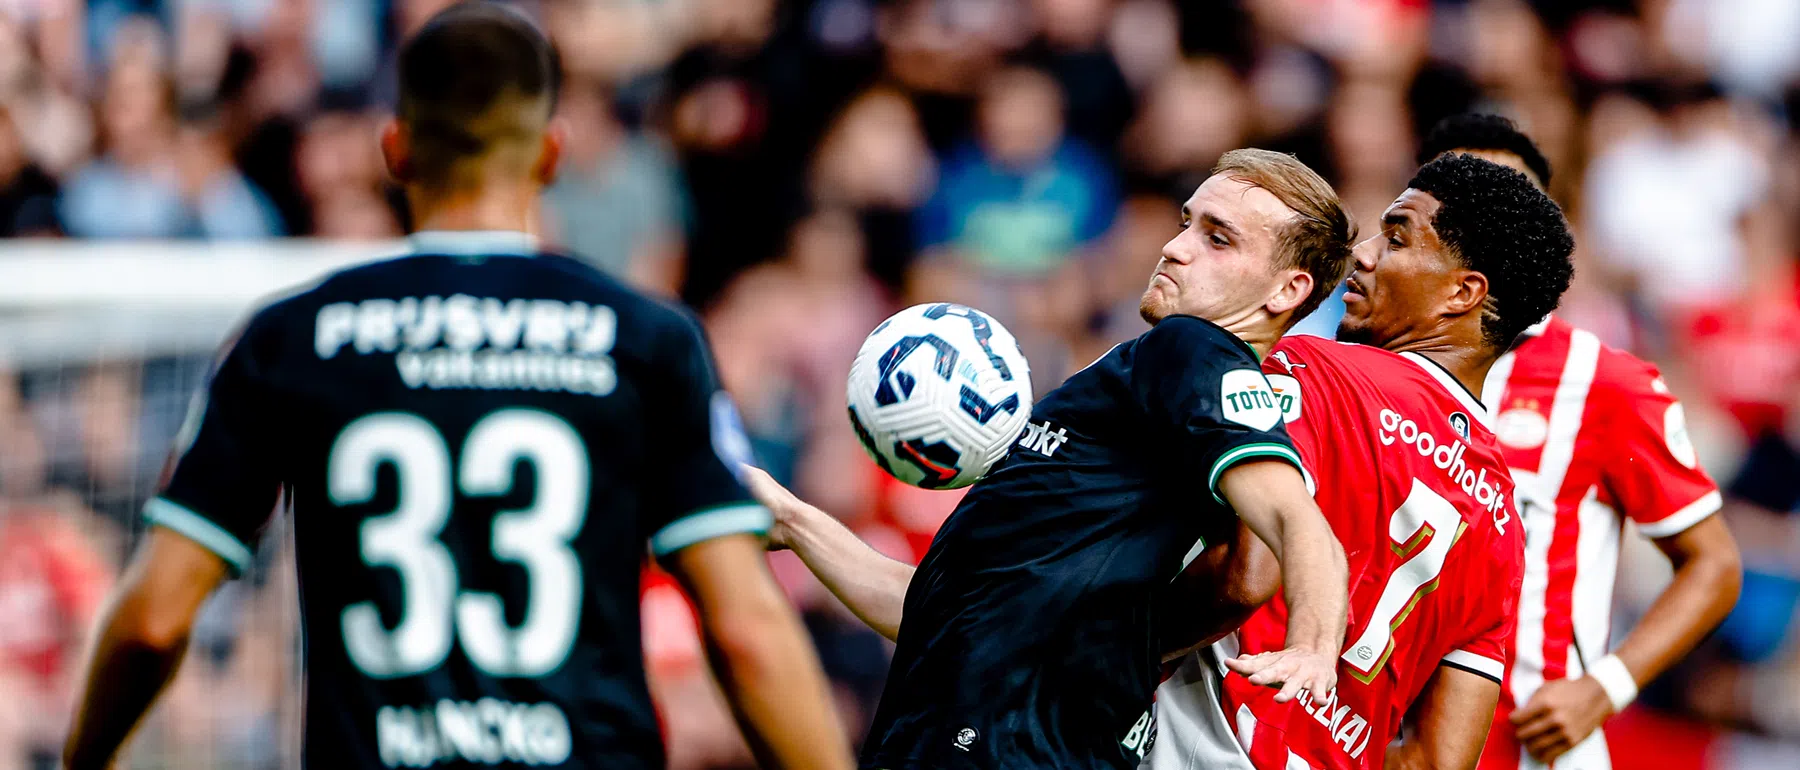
{"type": "Point", "coordinates": [1191, 728]}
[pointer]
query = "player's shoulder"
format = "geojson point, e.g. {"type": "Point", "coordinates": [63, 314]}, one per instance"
{"type": "Point", "coordinates": [1193, 338]}
{"type": "Point", "coordinates": [1621, 373]}
{"type": "Point", "coordinates": [1296, 350]}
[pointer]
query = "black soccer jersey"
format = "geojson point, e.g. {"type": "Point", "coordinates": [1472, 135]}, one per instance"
{"type": "Point", "coordinates": [1028, 636]}
{"type": "Point", "coordinates": [477, 441]}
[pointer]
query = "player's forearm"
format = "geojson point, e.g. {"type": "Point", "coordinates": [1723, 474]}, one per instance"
{"type": "Point", "coordinates": [1448, 723]}
{"type": "Point", "coordinates": [1405, 756]}
{"type": "Point", "coordinates": [1271, 499]}
{"type": "Point", "coordinates": [1706, 584]}
{"type": "Point", "coordinates": [1316, 580]}
{"type": "Point", "coordinates": [778, 693]}
{"type": "Point", "coordinates": [132, 662]}
{"type": "Point", "coordinates": [873, 586]}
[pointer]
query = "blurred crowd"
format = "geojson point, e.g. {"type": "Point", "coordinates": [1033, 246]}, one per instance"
{"type": "Point", "coordinates": [798, 170]}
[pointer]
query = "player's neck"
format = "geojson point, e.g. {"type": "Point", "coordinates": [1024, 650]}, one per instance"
{"type": "Point", "coordinates": [493, 208]}
{"type": "Point", "coordinates": [1258, 333]}
{"type": "Point", "coordinates": [1469, 364]}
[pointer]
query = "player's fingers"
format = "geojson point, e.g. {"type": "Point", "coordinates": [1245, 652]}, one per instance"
{"type": "Point", "coordinates": [1547, 747]}
{"type": "Point", "coordinates": [1536, 729]}
{"type": "Point", "coordinates": [1532, 710]}
{"type": "Point", "coordinates": [1268, 671]}
{"type": "Point", "coordinates": [1289, 691]}
{"type": "Point", "coordinates": [1245, 664]}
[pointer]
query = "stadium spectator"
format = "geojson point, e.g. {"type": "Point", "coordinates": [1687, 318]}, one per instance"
{"type": "Point", "coordinates": [27, 194]}
{"type": "Point", "coordinates": [618, 201]}
{"type": "Point", "coordinates": [132, 190]}
{"type": "Point", "coordinates": [1023, 196]}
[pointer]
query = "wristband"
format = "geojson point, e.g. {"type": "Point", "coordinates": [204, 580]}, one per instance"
{"type": "Point", "coordinates": [1616, 680]}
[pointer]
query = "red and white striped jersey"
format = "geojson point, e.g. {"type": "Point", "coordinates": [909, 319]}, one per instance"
{"type": "Point", "coordinates": [1592, 436]}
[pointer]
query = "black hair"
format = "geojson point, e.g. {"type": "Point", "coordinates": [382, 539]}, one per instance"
{"type": "Point", "coordinates": [475, 75]}
{"type": "Point", "coordinates": [1478, 131]}
{"type": "Point", "coordinates": [1497, 223]}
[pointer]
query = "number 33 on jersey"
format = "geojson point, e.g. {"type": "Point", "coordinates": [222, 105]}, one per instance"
{"type": "Point", "coordinates": [1411, 478]}
{"type": "Point", "coordinates": [474, 472]}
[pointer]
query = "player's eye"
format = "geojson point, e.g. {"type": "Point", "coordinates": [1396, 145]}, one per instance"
{"type": "Point", "coordinates": [1219, 240]}
{"type": "Point", "coordinates": [1394, 241]}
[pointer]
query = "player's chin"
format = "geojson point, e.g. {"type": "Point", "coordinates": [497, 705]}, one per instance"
{"type": "Point", "coordinates": [1357, 330]}
{"type": "Point", "coordinates": [1153, 306]}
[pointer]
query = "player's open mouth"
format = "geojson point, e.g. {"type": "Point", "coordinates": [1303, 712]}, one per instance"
{"type": "Point", "coordinates": [1354, 290]}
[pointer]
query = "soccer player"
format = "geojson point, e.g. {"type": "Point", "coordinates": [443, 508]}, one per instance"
{"type": "Point", "coordinates": [1411, 477]}
{"type": "Point", "coordinates": [1593, 437]}
{"type": "Point", "coordinates": [1026, 637]}
{"type": "Point", "coordinates": [477, 440]}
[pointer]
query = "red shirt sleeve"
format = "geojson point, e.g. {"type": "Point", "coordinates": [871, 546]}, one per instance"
{"type": "Point", "coordinates": [1489, 651]}
{"type": "Point", "coordinates": [1657, 480]}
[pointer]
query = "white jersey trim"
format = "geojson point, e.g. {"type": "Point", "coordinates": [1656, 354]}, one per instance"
{"type": "Point", "coordinates": [708, 523]}
{"type": "Point", "coordinates": [1477, 664]}
{"type": "Point", "coordinates": [474, 243]}
{"type": "Point", "coordinates": [1679, 521]}
{"type": "Point", "coordinates": [1476, 409]}
{"type": "Point", "coordinates": [182, 520]}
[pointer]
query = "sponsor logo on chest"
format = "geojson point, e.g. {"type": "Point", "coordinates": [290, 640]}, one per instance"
{"type": "Point", "coordinates": [1448, 457]}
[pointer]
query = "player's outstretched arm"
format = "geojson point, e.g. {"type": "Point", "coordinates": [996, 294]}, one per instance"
{"type": "Point", "coordinates": [1449, 723]}
{"type": "Point", "coordinates": [873, 586]}
{"type": "Point", "coordinates": [761, 655]}
{"type": "Point", "coordinates": [142, 637]}
{"type": "Point", "coordinates": [1270, 496]}
{"type": "Point", "coordinates": [1708, 574]}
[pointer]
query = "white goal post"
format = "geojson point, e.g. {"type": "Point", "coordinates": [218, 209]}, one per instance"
{"type": "Point", "coordinates": [62, 300]}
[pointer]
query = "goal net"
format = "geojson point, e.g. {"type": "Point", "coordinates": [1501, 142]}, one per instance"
{"type": "Point", "coordinates": [102, 348]}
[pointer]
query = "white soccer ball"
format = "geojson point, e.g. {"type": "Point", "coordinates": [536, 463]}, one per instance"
{"type": "Point", "coordinates": [938, 393]}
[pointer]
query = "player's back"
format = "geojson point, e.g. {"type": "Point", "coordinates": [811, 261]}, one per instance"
{"type": "Point", "coordinates": [477, 443]}
{"type": "Point", "coordinates": [1413, 484]}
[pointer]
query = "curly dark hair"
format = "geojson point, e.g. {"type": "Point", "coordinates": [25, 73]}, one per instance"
{"type": "Point", "coordinates": [1501, 225]}
{"type": "Point", "coordinates": [1477, 131]}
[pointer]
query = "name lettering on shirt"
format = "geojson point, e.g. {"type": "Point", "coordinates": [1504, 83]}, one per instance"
{"type": "Point", "coordinates": [462, 341]}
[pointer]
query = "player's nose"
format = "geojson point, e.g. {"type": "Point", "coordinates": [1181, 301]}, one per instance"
{"type": "Point", "coordinates": [1367, 254]}
{"type": "Point", "coordinates": [1172, 251]}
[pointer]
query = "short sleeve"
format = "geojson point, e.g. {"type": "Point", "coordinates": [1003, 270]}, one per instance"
{"type": "Point", "coordinates": [1489, 651]}
{"type": "Point", "coordinates": [224, 480]}
{"type": "Point", "coordinates": [697, 444]}
{"type": "Point", "coordinates": [1204, 387]}
{"type": "Point", "coordinates": [1657, 481]}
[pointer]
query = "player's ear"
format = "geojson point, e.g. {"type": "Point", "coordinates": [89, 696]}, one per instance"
{"type": "Point", "coordinates": [1469, 293]}
{"type": "Point", "coordinates": [550, 151]}
{"type": "Point", "coordinates": [1291, 294]}
{"type": "Point", "coordinates": [396, 151]}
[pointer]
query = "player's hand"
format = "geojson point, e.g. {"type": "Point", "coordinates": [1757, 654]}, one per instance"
{"type": "Point", "coordinates": [782, 504]}
{"type": "Point", "coordinates": [1559, 715]}
{"type": "Point", "coordinates": [1293, 669]}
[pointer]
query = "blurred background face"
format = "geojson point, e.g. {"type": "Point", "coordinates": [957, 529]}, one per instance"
{"type": "Point", "coordinates": [1021, 117]}
{"type": "Point", "coordinates": [1402, 274]}
{"type": "Point", "coordinates": [1221, 261]}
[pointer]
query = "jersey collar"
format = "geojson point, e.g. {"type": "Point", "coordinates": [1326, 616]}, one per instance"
{"type": "Point", "coordinates": [1453, 387]}
{"type": "Point", "coordinates": [474, 243]}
